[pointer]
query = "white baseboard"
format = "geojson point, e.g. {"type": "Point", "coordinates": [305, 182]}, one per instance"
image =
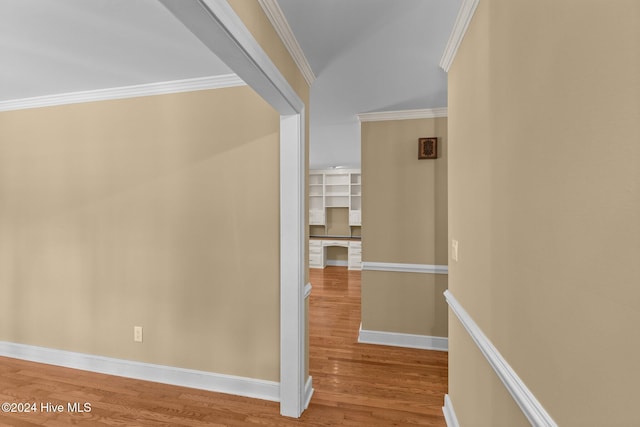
{"type": "Point", "coordinates": [221, 383]}
{"type": "Point", "coordinates": [337, 263]}
{"type": "Point", "coordinates": [449, 414]}
{"type": "Point", "coordinates": [308, 392]}
{"type": "Point", "coordinates": [307, 290]}
{"type": "Point", "coordinates": [396, 339]}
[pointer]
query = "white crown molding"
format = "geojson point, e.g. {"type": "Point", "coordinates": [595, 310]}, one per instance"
{"type": "Point", "coordinates": [279, 21]}
{"type": "Point", "coordinates": [427, 113]}
{"type": "Point", "coordinates": [397, 339]}
{"type": "Point", "coordinates": [230, 384]}
{"type": "Point", "coordinates": [162, 88]}
{"type": "Point", "coordinates": [449, 414]}
{"type": "Point", "coordinates": [405, 268]}
{"type": "Point", "coordinates": [467, 8]}
{"type": "Point", "coordinates": [530, 406]}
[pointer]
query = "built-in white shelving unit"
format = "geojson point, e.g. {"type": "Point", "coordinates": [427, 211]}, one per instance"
{"type": "Point", "coordinates": [316, 199]}
{"type": "Point", "coordinates": [318, 252]}
{"type": "Point", "coordinates": [335, 188]}
{"type": "Point", "coordinates": [355, 198]}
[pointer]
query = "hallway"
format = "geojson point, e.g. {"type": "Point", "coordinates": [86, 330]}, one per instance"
{"type": "Point", "coordinates": [379, 385]}
{"type": "Point", "coordinates": [355, 384]}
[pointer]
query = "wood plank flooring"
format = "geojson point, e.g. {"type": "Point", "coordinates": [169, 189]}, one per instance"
{"type": "Point", "coordinates": [356, 384]}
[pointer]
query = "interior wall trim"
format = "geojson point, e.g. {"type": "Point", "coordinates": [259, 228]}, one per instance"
{"type": "Point", "coordinates": [220, 28]}
{"type": "Point", "coordinates": [449, 414]}
{"type": "Point", "coordinates": [427, 113]}
{"type": "Point", "coordinates": [308, 391]}
{"type": "Point", "coordinates": [222, 383]}
{"type": "Point", "coordinates": [161, 88]}
{"type": "Point", "coordinates": [281, 25]}
{"type": "Point", "coordinates": [397, 339]}
{"type": "Point", "coordinates": [530, 406]}
{"type": "Point", "coordinates": [405, 268]}
{"type": "Point", "coordinates": [467, 9]}
{"type": "Point", "coordinates": [307, 290]}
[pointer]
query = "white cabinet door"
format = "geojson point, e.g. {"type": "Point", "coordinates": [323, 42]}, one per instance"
{"type": "Point", "coordinates": [355, 256]}
{"type": "Point", "coordinates": [355, 217]}
{"type": "Point", "coordinates": [316, 254]}
{"type": "Point", "coordinates": [316, 217]}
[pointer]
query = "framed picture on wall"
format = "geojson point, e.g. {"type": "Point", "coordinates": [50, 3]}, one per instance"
{"type": "Point", "coordinates": [428, 148]}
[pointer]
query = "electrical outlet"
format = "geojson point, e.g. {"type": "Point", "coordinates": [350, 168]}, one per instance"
{"type": "Point", "coordinates": [454, 250]}
{"type": "Point", "coordinates": [137, 333]}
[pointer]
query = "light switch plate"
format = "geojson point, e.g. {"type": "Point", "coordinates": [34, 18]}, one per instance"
{"type": "Point", "coordinates": [454, 250]}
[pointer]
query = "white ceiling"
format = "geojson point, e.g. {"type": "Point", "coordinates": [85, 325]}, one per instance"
{"type": "Point", "coordinates": [368, 55]}
{"type": "Point", "coordinates": [59, 46]}
{"type": "Point", "coordinates": [381, 54]}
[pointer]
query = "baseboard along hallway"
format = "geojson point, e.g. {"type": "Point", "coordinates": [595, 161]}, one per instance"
{"type": "Point", "coordinates": [355, 384]}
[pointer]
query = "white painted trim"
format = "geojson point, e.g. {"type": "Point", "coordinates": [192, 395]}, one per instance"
{"type": "Point", "coordinates": [405, 268]}
{"type": "Point", "coordinates": [281, 25]}
{"type": "Point", "coordinates": [221, 383]}
{"type": "Point", "coordinates": [449, 414]}
{"type": "Point", "coordinates": [429, 113]}
{"type": "Point", "coordinates": [467, 9]}
{"type": "Point", "coordinates": [308, 391]}
{"type": "Point", "coordinates": [307, 290]}
{"type": "Point", "coordinates": [217, 25]}
{"type": "Point", "coordinates": [161, 88]}
{"type": "Point", "coordinates": [530, 406]}
{"type": "Point", "coordinates": [292, 266]}
{"type": "Point", "coordinates": [219, 28]}
{"type": "Point", "coordinates": [397, 339]}
{"type": "Point", "coordinates": [337, 263]}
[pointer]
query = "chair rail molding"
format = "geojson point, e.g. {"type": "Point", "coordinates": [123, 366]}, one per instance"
{"type": "Point", "coordinates": [405, 268]}
{"type": "Point", "coordinates": [467, 9]}
{"type": "Point", "coordinates": [530, 406]}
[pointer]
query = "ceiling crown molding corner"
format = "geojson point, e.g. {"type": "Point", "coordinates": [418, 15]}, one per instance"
{"type": "Point", "coordinates": [279, 21]}
{"type": "Point", "coordinates": [161, 88]}
{"type": "Point", "coordinates": [428, 113]}
{"type": "Point", "coordinates": [467, 9]}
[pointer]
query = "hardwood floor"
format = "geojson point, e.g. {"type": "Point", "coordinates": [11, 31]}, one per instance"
{"type": "Point", "coordinates": [356, 384]}
{"type": "Point", "coordinates": [383, 385]}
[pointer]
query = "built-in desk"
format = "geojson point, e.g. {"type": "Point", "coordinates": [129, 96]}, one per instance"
{"type": "Point", "coordinates": [318, 250]}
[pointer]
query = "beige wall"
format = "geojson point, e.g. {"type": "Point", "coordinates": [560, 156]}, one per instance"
{"type": "Point", "coordinates": [410, 303]}
{"type": "Point", "coordinates": [337, 222]}
{"type": "Point", "coordinates": [158, 211]}
{"type": "Point", "coordinates": [544, 182]}
{"type": "Point", "coordinates": [337, 253]}
{"type": "Point", "coordinates": [254, 18]}
{"type": "Point", "coordinates": [404, 220]}
{"type": "Point", "coordinates": [182, 274]}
